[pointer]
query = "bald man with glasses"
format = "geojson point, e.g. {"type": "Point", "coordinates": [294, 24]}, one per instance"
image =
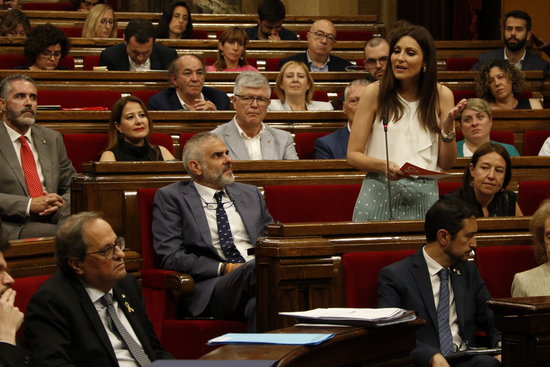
{"type": "Point", "coordinates": [320, 39]}
{"type": "Point", "coordinates": [246, 136]}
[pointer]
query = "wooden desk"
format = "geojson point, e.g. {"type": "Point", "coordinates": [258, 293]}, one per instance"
{"type": "Point", "coordinates": [525, 326]}
{"type": "Point", "coordinates": [298, 266]}
{"type": "Point", "coordinates": [375, 347]}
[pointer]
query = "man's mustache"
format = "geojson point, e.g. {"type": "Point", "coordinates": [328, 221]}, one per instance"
{"type": "Point", "coordinates": [28, 110]}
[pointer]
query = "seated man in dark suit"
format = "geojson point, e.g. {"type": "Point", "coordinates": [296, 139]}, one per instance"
{"type": "Point", "coordinates": [205, 228]}
{"type": "Point", "coordinates": [35, 173]}
{"type": "Point", "coordinates": [10, 317]}
{"type": "Point", "coordinates": [90, 312]}
{"type": "Point", "coordinates": [187, 73]}
{"type": "Point", "coordinates": [517, 33]}
{"type": "Point", "coordinates": [444, 288]}
{"type": "Point", "coordinates": [139, 52]}
{"type": "Point", "coordinates": [335, 145]}
{"type": "Point", "coordinates": [271, 14]}
{"type": "Point", "coordinates": [320, 39]}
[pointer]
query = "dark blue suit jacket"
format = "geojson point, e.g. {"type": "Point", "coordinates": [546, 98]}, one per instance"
{"type": "Point", "coordinates": [168, 100]}
{"type": "Point", "coordinates": [335, 64]}
{"type": "Point", "coordinates": [406, 284]}
{"type": "Point", "coordinates": [333, 145]}
{"type": "Point", "coordinates": [181, 235]}
{"type": "Point", "coordinates": [116, 58]}
{"type": "Point", "coordinates": [531, 61]}
{"type": "Point", "coordinates": [63, 328]}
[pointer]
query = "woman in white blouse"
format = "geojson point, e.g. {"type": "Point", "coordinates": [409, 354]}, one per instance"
{"type": "Point", "coordinates": [295, 86]}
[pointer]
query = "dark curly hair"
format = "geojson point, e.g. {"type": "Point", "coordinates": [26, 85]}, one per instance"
{"type": "Point", "coordinates": [42, 37]}
{"type": "Point", "coordinates": [166, 18]}
{"type": "Point", "coordinates": [482, 79]}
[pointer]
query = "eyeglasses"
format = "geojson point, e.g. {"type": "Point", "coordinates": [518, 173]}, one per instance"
{"type": "Point", "coordinates": [353, 101]}
{"type": "Point", "coordinates": [107, 20]}
{"type": "Point", "coordinates": [48, 54]}
{"type": "Point", "coordinates": [373, 61]}
{"type": "Point", "coordinates": [109, 251]}
{"type": "Point", "coordinates": [319, 35]}
{"type": "Point", "coordinates": [262, 101]}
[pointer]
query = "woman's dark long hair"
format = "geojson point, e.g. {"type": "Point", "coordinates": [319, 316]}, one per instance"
{"type": "Point", "coordinates": [116, 115]}
{"type": "Point", "coordinates": [426, 88]}
{"type": "Point", "coordinates": [166, 18]}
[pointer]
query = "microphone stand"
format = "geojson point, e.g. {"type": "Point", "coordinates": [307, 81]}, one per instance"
{"type": "Point", "coordinates": [385, 124]}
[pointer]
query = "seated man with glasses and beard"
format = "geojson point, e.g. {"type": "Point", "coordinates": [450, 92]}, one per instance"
{"type": "Point", "coordinates": [320, 39]}
{"type": "Point", "coordinates": [246, 136]}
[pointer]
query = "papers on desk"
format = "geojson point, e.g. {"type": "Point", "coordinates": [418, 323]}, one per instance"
{"type": "Point", "coordinates": [354, 316]}
{"type": "Point", "coordinates": [271, 338]}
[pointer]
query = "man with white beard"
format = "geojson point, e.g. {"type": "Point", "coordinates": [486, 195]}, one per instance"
{"type": "Point", "coordinates": [205, 228]}
{"type": "Point", "coordinates": [35, 173]}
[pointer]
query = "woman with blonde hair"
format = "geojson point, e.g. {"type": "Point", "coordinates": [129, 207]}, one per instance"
{"type": "Point", "coordinates": [295, 87]}
{"type": "Point", "coordinates": [232, 52]}
{"type": "Point", "coordinates": [100, 23]}
{"type": "Point", "coordinates": [130, 128]}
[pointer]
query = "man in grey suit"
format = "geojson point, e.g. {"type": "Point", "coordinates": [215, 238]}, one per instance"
{"type": "Point", "coordinates": [517, 33]}
{"type": "Point", "coordinates": [35, 173]}
{"type": "Point", "coordinates": [205, 228]}
{"type": "Point", "coordinates": [246, 136]}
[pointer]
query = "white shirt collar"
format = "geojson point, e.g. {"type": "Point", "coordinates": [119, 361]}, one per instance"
{"type": "Point", "coordinates": [205, 192]}
{"type": "Point", "coordinates": [245, 136]}
{"type": "Point", "coordinates": [310, 62]}
{"type": "Point", "coordinates": [518, 65]}
{"type": "Point", "coordinates": [185, 105]}
{"type": "Point", "coordinates": [433, 266]}
{"type": "Point", "coordinates": [14, 135]}
{"type": "Point", "coordinates": [146, 66]}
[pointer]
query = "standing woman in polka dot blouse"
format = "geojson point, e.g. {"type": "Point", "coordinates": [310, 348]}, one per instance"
{"type": "Point", "coordinates": [420, 117]}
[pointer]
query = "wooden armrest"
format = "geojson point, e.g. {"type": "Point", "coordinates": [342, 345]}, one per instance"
{"type": "Point", "coordinates": [180, 284]}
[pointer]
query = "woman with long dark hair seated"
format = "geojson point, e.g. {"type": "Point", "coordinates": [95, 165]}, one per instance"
{"type": "Point", "coordinates": [130, 128]}
{"type": "Point", "coordinates": [485, 182]}
{"type": "Point", "coordinates": [175, 22]}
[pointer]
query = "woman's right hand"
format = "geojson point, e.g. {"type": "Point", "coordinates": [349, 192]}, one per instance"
{"type": "Point", "coordinates": [395, 172]}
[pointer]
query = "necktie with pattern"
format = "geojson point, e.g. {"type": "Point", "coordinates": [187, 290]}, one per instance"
{"type": "Point", "coordinates": [231, 252]}
{"type": "Point", "coordinates": [445, 336]}
{"type": "Point", "coordinates": [29, 169]}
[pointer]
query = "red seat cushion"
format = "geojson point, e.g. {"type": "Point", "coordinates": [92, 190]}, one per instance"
{"type": "Point", "coordinates": [460, 94]}
{"type": "Point", "coordinates": [498, 265]}
{"type": "Point", "coordinates": [84, 148]}
{"type": "Point", "coordinates": [361, 274]}
{"type": "Point", "coordinates": [78, 98]}
{"type": "Point", "coordinates": [144, 95]}
{"type": "Point", "coordinates": [461, 63]}
{"type": "Point", "coordinates": [533, 141]}
{"type": "Point", "coordinates": [272, 64]}
{"type": "Point", "coordinates": [531, 194]}
{"type": "Point", "coordinates": [72, 31]}
{"type": "Point", "coordinates": [305, 144]}
{"type": "Point", "coordinates": [447, 187]}
{"type": "Point", "coordinates": [90, 61]}
{"type": "Point", "coordinates": [199, 34]}
{"type": "Point", "coordinates": [309, 203]}
{"type": "Point", "coordinates": [184, 138]}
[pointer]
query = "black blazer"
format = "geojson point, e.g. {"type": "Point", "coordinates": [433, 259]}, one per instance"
{"type": "Point", "coordinates": [116, 58]}
{"type": "Point", "coordinates": [167, 100]}
{"type": "Point", "coordinates": [335, 64]}
{"type": "Point", "coordinates": [62, 326]}
{"type": "Point", "coordinates": [12, 356]}
{"type": "Point", "coordinates": [531, 61]}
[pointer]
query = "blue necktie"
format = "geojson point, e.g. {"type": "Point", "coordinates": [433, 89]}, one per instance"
{"type": "Point", "coordinates": [445, 337]}
{"type": "Point", "coordinates": [224, 232]}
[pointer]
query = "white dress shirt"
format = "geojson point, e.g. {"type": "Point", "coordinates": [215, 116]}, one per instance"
{"type": "Point", "coordinates": [254, 144]}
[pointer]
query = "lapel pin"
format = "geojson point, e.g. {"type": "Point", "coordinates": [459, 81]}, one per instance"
{"type": "Point", "coordinates": [43, 141]}
{"type": "Point", "coordinates": [456, 271]}
{"type": "Point", "coordinates": [123, 295]}
{"type": "Point", "coordinates": [130, 309]}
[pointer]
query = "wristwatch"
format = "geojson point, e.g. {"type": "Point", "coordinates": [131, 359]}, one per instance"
{"type": "Point", "coordinates": [448, 137]}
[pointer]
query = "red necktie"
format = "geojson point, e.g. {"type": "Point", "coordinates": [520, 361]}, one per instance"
{"type": "Point", "coordinates": [29, 169]}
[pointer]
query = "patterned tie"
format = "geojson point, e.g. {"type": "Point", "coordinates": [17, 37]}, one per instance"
{"type": "Point", "coordinates": [29, 169]}
{"type": "Point", "coordinates": [445, 337]}
{"type": "Point", "coordinates": [224, 232]}
{"type": "Point", "coordinates": [137, 352]}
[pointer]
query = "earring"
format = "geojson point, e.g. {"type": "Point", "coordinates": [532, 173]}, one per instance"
{"type": "Point", "coordinates": [424, 69]}
{"type": "Point", "coordinates": [472, 182]}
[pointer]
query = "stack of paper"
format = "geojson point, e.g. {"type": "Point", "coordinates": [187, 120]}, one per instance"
{"type": "Point", "coordinates": [271, 338]}
{"type": "Point", "coordinates": [354, 316]}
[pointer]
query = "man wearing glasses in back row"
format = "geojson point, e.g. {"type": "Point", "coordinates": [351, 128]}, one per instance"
{"type": "Point", "coordinates": [246, 136]}
{"type": "Point", "coordinates": [377, 52]}
{"type": "Point", "coordinates": [321, 39]}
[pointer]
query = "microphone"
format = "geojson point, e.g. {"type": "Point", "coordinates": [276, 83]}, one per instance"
{"type": "Point", "coordinates": [385, 124]}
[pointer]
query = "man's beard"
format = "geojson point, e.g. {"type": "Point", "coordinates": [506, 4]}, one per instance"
{"type": "Point", "coordinates": [515, 46]}
{"type": "Point", "coordinates": [220, 179]}
{"type": "Point", "coordinates": [18, 119]}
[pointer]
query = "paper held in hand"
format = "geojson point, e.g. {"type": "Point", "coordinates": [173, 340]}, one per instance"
{"type": "Point", "coordinates": [412, 170]}
{"type": "Point", "coordinates": [354, 316]}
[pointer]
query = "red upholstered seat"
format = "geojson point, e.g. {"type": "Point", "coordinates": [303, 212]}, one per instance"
{"type": "Point", "coordinates": [8, 61]}
{"type": "Point", "coordinates": [531, 194]}
{"type": "Point", "coordinates": [498, 265]}
{"type": "Point", "coordinates": [460, 63]}
{"type": "Point", "coordinates": [26, 287]}
{"type": "Point", "coordinates": [272, 64]}
{"type": "Point", "coordinates": [78, 98]}
{"type": "Point", "coordinates": [447, 187]}
{"type": "Point", "coordinates": [311, 203]}
{"type": "Point", "coordinates": [361, 274]}
{"type": "Point", "coordinates": [506, 137]}
{"type": "Point", "coordinates": [72, 31]}
{"type": "Point", "coordinates": [460, 94]}
{"type": "Point", "coordinates": [199, 34]}
{"type": "Point", "coordinates": [533, 141]}
{"type": "Point", "coordinates": [89, 62]}
{"type": "Point", "coordinates": [184, 138]}
{"type": "Point", "coordinates": [144, 95]}
{"type": "Point", "coordinates": [88, 147]}
{"type": "Point", "coordinates": [305, 144]}
{"type": "Point", "coordinates": [185, 339]}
